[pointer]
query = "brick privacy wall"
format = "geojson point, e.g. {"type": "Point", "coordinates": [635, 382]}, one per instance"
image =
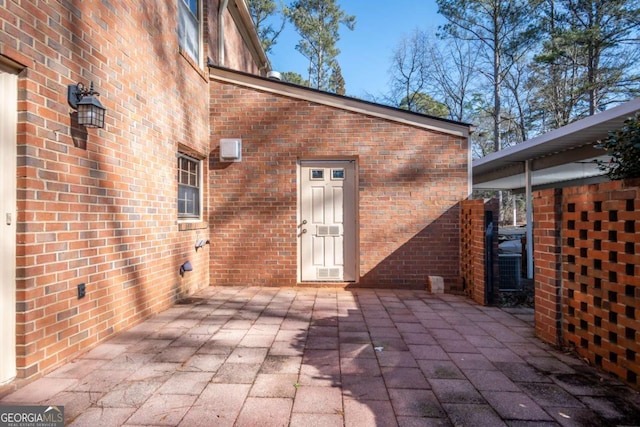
{"type": "Point", "coordinates": [410, 184]}
{"type": "Point", "coordinates": [472, 257]}
{"type": "Point", "coordinates": [601, 225]}
{"type": "Point", "coordinates": [600, 273]}
{"type": "Point", "coordinates": [547, 217]}
{"type": "Point", "coordinates": [99, 206]}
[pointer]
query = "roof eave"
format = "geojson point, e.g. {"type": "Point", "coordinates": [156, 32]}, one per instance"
{"type": "Point", "coordinates": [338, 101]}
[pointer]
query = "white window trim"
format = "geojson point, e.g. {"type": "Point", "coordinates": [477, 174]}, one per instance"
{"type": "Point", "coordinates": [200, 189]}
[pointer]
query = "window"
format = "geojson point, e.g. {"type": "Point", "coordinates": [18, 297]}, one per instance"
{"type": "Point", "coordinates": [337, 174]}
{"type": "Point", "coordinates": [189, 184]}
{"type": "Point", "coordinates": [189, 27]}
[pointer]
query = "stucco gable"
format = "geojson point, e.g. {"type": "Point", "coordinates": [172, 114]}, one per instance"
{"type": "Point", "coordinates": [342, 102]}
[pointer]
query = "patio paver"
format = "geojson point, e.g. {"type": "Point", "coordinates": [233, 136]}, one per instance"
{"type": "Point", "coordinates": [250, 356]}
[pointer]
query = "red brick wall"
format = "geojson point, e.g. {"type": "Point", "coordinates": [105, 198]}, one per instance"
{"type": "Point", "coordinates": [99, 206]}
{"type": "Point", "coordinates": [599, 273]}
{"type": "Point", "coordinates": [547, 217]}
{"type": "Point", "coordinates": [410, 183]}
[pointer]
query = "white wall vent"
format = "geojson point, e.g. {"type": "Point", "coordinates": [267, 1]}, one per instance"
{"type": "Point", "coordinates": [231, 150]}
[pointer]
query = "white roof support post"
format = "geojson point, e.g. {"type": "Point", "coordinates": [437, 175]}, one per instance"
{"type": "Point", "coordinates": [529, 209]}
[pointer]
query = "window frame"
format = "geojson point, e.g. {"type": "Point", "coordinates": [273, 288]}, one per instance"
{"type": "Point", "coordinates": [197, 188]}
{"type": "Point", "coordinates": [186, 15]}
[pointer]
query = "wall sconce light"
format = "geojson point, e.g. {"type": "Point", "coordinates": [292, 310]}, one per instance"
{"type": "Point", "coordinates": [185, 267]}
{"type": "Point", "coordinates": [200, 244]}
{"type": "Point", "coordinates": [90, 110]}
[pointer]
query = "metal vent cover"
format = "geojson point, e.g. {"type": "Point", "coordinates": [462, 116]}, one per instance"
{"type": "Point", "coordinates": [328, 230]}
{"type": "Point", "coordinates": [328, 273]}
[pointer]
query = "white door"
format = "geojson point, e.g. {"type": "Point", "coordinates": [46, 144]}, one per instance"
{"type": "Point", "coordinates": [327, 229]}
{"type": "Point", "coordinates": [8, 153]}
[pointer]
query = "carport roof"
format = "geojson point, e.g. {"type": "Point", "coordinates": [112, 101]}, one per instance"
{"type": "Point", "coordinates": [564, 156]}
{"type": "Point", "coordinates": [339, 101]}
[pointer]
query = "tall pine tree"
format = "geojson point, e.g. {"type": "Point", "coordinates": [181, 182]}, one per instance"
{"type": "Point", "coordinates": [318, 24]}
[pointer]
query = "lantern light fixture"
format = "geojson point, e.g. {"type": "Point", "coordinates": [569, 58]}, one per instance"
{"type": "Point", "coordinates": [85, 101]}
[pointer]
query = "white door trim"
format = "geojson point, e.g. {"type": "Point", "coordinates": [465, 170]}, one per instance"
{"type": "Point", "coordinates": [8, 213]}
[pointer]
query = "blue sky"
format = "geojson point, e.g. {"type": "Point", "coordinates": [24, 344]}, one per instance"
{"type": "Point", "coordinates": [366, 51]}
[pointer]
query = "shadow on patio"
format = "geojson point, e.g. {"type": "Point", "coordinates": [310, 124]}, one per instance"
{"type": "Point", "coordinates": [270, 356]}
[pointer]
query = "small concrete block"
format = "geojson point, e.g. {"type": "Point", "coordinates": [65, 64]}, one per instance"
{"type": "Point", "coordinates": [435, 285]}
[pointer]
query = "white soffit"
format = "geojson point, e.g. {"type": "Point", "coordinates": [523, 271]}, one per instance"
{"type": "Point", "coordinates": [564, 155]}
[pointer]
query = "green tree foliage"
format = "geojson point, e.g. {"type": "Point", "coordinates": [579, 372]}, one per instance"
{"type": "Point", "coordinates": [318, 23]}
{"type": "Point", "coordinates": [295, 78]}
{"type": "Point", "coordinates": [589, 57]}
{"type": "Point", "coordinates": [262, 12]}
{"type": "Point", "coordinates": [623, 145]}
{"type": "Point", "coordinates": [420, 102]}
{"type": "Point", "coordinates": [336, 81]}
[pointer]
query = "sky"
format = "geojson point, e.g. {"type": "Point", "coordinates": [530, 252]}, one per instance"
{"type": "Point", "coordinates": [365, 52]}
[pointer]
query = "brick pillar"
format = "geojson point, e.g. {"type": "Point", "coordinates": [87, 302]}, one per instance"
{"type": "Point", "coordinates": [547, 244]}
{"type": "Point", "coordinates": [472, 258]}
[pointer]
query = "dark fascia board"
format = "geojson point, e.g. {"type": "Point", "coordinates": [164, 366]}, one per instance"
{"type": "Point", "coordinates": [447, 126]}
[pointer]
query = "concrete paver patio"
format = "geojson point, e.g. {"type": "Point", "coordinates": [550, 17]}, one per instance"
{"type": "Point", "coordinates": [247, 356]}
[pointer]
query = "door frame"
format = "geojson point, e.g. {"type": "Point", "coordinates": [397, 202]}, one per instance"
{"type": "Point", "coordinates": [356, 206]}
{"type": "Point", "coordinates": [9, 218]}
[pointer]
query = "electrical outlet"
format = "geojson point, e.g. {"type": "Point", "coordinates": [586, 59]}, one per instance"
{"type": "Point", "coordinates": [82, 290]}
